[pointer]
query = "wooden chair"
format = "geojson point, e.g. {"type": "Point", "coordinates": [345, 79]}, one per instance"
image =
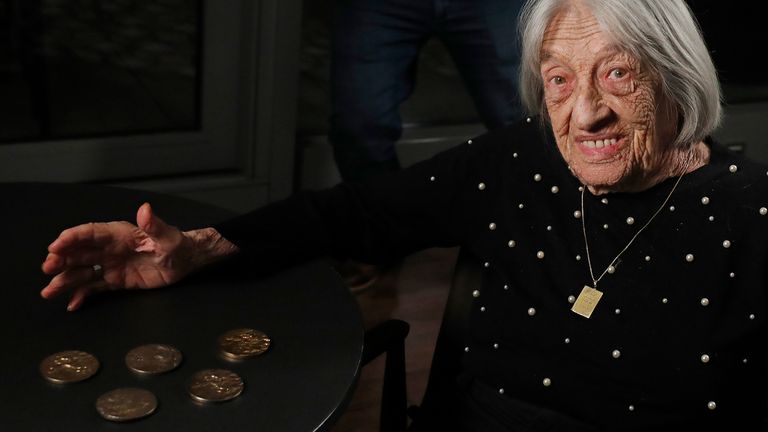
{"type": "Point", "coordinates": [389, 338]}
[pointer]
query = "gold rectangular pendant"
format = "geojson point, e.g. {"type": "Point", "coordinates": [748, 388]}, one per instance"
{"type": "Point", "coordinates": [587, 301]}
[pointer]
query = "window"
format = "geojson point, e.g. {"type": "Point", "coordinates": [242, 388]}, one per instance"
{"type": "Point", "coordinates": [118, 90]}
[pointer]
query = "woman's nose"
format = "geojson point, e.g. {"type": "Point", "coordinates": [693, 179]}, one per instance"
{"type": "Point", "coordinates": [590, 111]}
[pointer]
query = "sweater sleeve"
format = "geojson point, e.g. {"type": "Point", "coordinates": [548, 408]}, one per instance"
{"type": "Point", "coordinates": [374, 222]}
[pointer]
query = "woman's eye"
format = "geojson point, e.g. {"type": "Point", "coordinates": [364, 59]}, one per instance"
{"type": "Point", "coordinates": [558, 80]}
{"type": "Point", "coordinates": [617, 73]}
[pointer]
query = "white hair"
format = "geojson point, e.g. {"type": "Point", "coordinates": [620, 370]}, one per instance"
{"type": "Point", "coordinates": [662, 34]}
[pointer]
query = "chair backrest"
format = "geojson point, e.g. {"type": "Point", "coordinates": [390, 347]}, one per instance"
{"type": "Point", "coordinates": [454, 330]}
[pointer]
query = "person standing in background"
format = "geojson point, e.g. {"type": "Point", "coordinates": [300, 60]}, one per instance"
{"type": "Point", "coordinates": [375, 45]}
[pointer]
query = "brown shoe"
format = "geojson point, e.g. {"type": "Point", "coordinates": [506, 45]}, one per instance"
{"type": "Point", "coordinates": [358, 276]}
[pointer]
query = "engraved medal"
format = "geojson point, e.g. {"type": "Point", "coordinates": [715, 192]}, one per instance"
{"type": "Point", "coordinates": [587, 300]}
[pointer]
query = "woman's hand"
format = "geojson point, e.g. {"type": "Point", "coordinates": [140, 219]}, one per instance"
{"type": "Point", "coordinates": [119, 255]}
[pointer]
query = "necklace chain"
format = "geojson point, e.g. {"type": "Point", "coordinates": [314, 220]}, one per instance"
{"type": "Point", "coordinates": [613, 262]}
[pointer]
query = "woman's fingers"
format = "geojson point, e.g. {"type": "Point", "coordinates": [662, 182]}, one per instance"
{"type": "Point", "coordinates": [74, 237]}
{"type": "Point", "coordinates": [91, 235]}
{"type": "Point", "coordinates": [80, 293]}
{"type": "Point", "coordinates": [77, 299]}
{"type": "Point", "coordinates": [56, 263]}
{"type": "Point", "coordinates": [87, 245]}
{"type": "Point", "coordinates": [153, 226]}
{"type": "Point", "coordinates": [53, 264]}
{"type": "Point", "coordinates": [71, 279]}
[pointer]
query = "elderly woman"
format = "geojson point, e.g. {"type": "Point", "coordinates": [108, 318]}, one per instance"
{"type": "Point", "coordinates": [624, 254]}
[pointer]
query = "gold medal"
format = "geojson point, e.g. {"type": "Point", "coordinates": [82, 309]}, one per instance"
{"type": "Point", "coordinates": [242, 343]}
{"type": "Point", "coordinates": [587, 300]}
{"type": "Point", "coordinates": [69, 366]}
{"type": "Point", "coordinates": [215, 385]}
{"type": "Point", "coordinates": [125, 404]}
{"type": "Point", "coordinates": [153, 359]}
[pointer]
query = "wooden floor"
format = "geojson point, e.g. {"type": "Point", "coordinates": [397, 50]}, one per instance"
{"type": "Point", "coordinates": [415, 291]}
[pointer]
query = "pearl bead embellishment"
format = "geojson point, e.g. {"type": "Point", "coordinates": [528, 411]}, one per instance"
{"type": "Point", "coordinates": [432, 178]}
{"type": "Point", "coordinates": [469, 142]}
{"type": "Point", "coordinates": [615, 225]}
{"type": "Point", "coordinates": [733, 168]}
{"type": "Point", "coordinates": [527, 119]}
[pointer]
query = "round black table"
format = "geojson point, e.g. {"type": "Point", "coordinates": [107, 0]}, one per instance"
{"type": "Point", "coordinates": [301, 384]}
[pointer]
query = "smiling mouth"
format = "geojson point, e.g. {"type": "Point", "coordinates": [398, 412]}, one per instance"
{"type": "Point", "coordinates": [600, 149]}
{"type": "Point", "coordinates": [599, 143]}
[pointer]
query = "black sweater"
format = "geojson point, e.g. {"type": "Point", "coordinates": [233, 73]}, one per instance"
{"type": "Point", "coordinates": [678, 337]}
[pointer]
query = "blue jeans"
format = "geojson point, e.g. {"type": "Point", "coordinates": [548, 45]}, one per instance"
{"type": "Point", "coordinates": [375, 46]}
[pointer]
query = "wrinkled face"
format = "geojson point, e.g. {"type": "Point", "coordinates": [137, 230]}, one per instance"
{"type": "Point", "coordinates": [607, 113]}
